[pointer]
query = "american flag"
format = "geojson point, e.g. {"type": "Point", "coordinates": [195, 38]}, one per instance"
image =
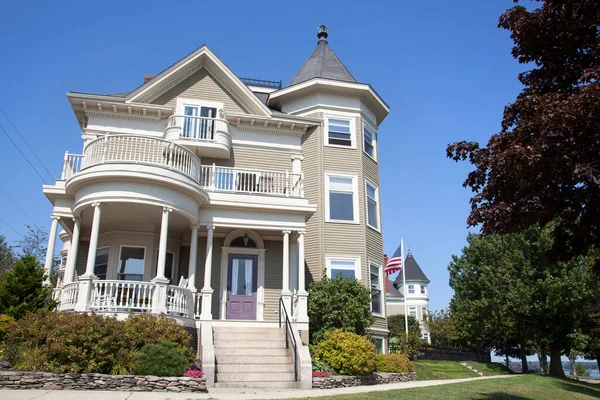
{"type": "Point", "coordinates": [395, 263]}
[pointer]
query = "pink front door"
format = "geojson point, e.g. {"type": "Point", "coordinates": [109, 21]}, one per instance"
{"type": "Point", "coordinates": [241, 286]}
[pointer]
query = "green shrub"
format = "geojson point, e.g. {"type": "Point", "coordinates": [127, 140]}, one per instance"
{"type": "Point", "coordinates": [162, 359]}
{"type": "Point", "coordinates": [126, 362]}
{"type": "Point", "coordinates": [339, 304]}
{"type": "Point", "coordinates": [31, 359]}
{"type": "Point", "coordinates": [396, 325]}
{"type": "Point", "coordinates": [347, 353]}
{"type": "Point", "coordinates": [87, 343]}
{"type": "Point", "coordinates": [6, 322]}
{"type": "Point", "coordinates": [408, 346]}
{"type": "Point", "coordinates": [393, 363]}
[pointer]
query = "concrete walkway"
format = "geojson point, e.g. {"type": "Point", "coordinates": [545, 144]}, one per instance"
{"type": "Point", "coordinates": [224, 394]}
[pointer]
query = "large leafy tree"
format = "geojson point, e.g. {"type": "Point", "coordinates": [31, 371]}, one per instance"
{"type": "Point", "coordinates": [444, 330]}
{"type": "Point", "coordinates": [397, 327]}
{"type": "Point", "coordinates": [7, 257]}
{"type": "Point", "coordinates": [508, 297]}
{"type": "Point", "coordinates": [544, 165]}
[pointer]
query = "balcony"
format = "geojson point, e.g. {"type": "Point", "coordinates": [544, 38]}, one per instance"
{"type": "Point", "coordinates": [207, 137]}
{"type": "Point", "coordinates": [144, 150]}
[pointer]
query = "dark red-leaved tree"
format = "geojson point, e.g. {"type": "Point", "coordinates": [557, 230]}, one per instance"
{"type": "Point", "coordinates": [544, 165]}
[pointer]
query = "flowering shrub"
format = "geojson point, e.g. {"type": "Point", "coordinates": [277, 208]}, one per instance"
{"type": "Point", "coordinates": [347, 353]}
{"type": "Point", "coordinates": [193, 373]}
{"type": "Point", "coordinates": [320, 374]}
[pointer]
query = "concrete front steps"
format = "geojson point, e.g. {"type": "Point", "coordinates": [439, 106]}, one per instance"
{"type": "Point", "coordinates": [253, 357]}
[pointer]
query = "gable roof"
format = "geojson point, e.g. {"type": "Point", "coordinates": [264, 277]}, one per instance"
{"type": "Point", "coordinates": [323, 63]}
{"type": "Point", "coordinates": [413, 271]}
{"type": "Point", "coordinates": [392, 291]}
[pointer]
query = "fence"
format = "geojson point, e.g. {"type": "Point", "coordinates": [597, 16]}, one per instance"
{"type": "Point", "coordinates": [454, 354]}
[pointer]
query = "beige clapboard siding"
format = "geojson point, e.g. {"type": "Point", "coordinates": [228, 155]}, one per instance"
{"type": "Point", "coordinates": [203, 86]}
{"type": "Point", "coordinates": [312, 147]}
{"type": "Point", "coordinates": [273, 278]}
{"type": "Point", "coordinates": [252, 158]}
{"type": "Point", "coordinates": [380, 324]}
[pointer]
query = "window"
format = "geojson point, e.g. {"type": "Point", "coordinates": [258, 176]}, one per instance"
{"type": "Point", "coordinates": [342, 267]}
{"type": "Point", "coordinates": [131, 264]}
{"type": "Point", "coordinates": [412, 311]}
{"type": "Point", "coordinates": [341, 203]}
{"type": "Point", "coordinates": [372, 206]}
{"type": "Point", "coordinates": [168, 265]}
{"type": "Point", "coordinates": [424, 313]}
{"type": "Point", "coordinates": [378, 344]}
{"type": "Point", "coordinates": [422, 289]}
{"type": "Point", "coordinates": [376, 301]}
{"type": "Point", "coordinates": [101, 263]}
{"type": "Point", "coordinates": [411, 289]}
{"type": "Point", "coordinates": [369, 141]}
{"type": "Point", "coordinates": [426, 336]}
{"type": "Point", "coordinates": [338, 132]}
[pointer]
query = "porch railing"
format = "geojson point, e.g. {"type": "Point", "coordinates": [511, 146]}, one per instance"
{"type": "Point", "coordinates": [113, 296]}
{"type": "Point", "coordinates": [290, 339]}
{"type": "Point", "coordinates": [179, 301]}
{"type": "Point", "coordinates": [68, 296]}
{"type": "Point", "coordinates": [72, 165]}
{"type": "Point", "coordinates": [227, 179]}
{"type": "Point", "coordinates": [197, 304]}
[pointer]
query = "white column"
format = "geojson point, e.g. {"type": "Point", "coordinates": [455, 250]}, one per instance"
{"type": "Point", "coordinates": [193, 258]}
{"type": "Point", "coordinates": [302, 293]}
{"type": "Point", "coordinates": [50, 250]}
{"type": "Point", "coordinates": [69, 276]}
{"type": "Point", "coordinates": [159, 299]}
{"type": "Point", "coordinates": [286, 294]}
{"type": "Point", "coordinates": [86, 281]}
{"type": "Point", "coordinates": [207, 291]}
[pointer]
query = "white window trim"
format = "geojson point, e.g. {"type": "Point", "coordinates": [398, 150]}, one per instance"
{"type": "Point", "coordinates": [356, 261]}
{"type": "Point", "coordinates": [354, 178]}
{"type": "Point", "coordinates": [378, 228]}
{"type": "Point", "coordinates": [352, 121]}
{"type": "Point", "coordinates": [408, 289]}
{"type": "Point", "coordinates": [383, 342]}
{"type": "Point", "coordinates": [374, 132]}
{"type": "Point", "coordinates": [119, 260]}
{"type": "Point", "coordinates": [416, 312]}
{"type": "Point", "coordinates": [423, 289]}
{"type": "Point", "coordinates": [184, 101]}
{"type": "Point", "coordinates": [381, 288]}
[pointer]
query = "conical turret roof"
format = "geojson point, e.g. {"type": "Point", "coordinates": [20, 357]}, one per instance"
{"type": "Point", "coordinates": [413, 272]}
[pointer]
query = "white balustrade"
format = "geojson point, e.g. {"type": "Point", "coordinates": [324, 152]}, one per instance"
{"type": "Point", "coordinates": [197, 304]}
{"type": "Point", "coordinates": [180, 301]}
{"type": "Point", "coordinates": [68, 296]}
{"type": "Point", "coordinates": [72, 165]}
{"type": "Point", "coordinates": [197, 128]}
{"type": "Point", "coordinates": [115, 296]}
{"type": "Point", "coordinates": [228, 179]}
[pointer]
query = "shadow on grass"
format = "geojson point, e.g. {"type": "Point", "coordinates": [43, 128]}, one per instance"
{"type": "Point", "coordinates": [589, 389]}
{"type": "Point", "coordinates": [500, 396]}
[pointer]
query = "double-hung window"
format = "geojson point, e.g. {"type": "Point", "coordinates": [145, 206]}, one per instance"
{"type": "Point", "coordinates": [131, 264]}
{"type": "Point", "coordinates": [423, 289]}
{"type": "Point", "coordinates": [101, 263]}
{"type": "Point", "coordinates": [369, 141]}
{"type": "Point", "coordinates": [372, 206]}
{"type": "Point", "coordinates": [412, 311]}
{"type": "Point", "coordinates": [411, 289]}
{"type": "Point", "coordinates": [339, 132]}
{"type": "Point", "coordinates": [376, 293]}
{"type": "Point", "coordinates": [341, 199]}
{"type": "Point", "coordinates": [346, 268]}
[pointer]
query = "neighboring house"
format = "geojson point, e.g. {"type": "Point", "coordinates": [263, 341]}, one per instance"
{"type": "Point", "coordinates": [217, 200]}
{"type": "Point", "coordinates": [417, 299]}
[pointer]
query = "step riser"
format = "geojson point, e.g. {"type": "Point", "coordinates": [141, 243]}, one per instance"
{"type": "Point", "coordinates": [258, 385]}
{"type": "Point", "coordinates": [255, 377]}
{"type": "Point", "coordinates": [219, 351]}
{"type": "Point", "coordinates": [253, 360]}
{"type": "Point", "coordinates": [251, 368]}
{"type": "Point", "coordinates": [238, 329]}
{"type": "Point", "coordinates": [249, 337]}
{"type": "Point", "coordinates": [234, 344]}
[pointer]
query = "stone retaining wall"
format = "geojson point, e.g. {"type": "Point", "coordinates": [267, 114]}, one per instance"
{"type": "Point", "coordinates": [377, 378]}
{"type": "Point", "coordinates": [126, 383]}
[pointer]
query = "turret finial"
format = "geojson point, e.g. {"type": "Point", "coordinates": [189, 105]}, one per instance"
{"type": "Point", "coordinates": [322, 32]}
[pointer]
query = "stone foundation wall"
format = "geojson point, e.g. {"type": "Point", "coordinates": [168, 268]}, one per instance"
{"type": "Point", "coordinates": [377, 378]}
{"type": "Point", "coordinates": [126, 383]}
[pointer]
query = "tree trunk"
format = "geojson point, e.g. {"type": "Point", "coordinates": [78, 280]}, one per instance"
{"type": "Point", "coordinates": [543, 356]}
{"type": "Point", "coordinates": [572, 365]}
{"type": "Point", "coordinates": [507, 362]}
{"type": "Point", "coordinates": [556, 368]}
{"type": "Point", "coordinates": [598, 361]}
{"type": "Point", "coordinates": [523, 355]}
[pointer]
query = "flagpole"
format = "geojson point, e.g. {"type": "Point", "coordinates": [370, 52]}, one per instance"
{"type": "Point", "coordinates": [404, 287]}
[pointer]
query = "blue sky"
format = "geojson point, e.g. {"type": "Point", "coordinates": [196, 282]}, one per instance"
{"type": "Point", "coordinates": [444, 68]}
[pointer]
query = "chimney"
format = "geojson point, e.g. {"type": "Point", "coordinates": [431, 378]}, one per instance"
{"type": "Point", "coordinates": [148, 77]}
{"type": "Point", "coordinates": [387, 280]}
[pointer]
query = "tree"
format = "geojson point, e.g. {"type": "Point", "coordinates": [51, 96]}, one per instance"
{"type": "Point", "coordinates": [444, 331]}
{"type": "Point", "coordinates": [544, 164]}
{"type": "Point", "coordinates": [397, 328]}
{"type": "Point", "coordinates": [34, 243]}
{"type": "Point", "coordinates": [340, 303]}
{"type": "Point", "coordinates": [7, 257]}
{"type": "Point", "coordinates": [22, 290]}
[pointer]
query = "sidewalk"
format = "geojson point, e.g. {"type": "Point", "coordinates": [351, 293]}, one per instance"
{"type": "Point", "coordinates": [224, 394]}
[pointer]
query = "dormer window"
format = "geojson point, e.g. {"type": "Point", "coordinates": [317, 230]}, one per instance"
{"type": "Point", "coordinates": [411, 289]}
{"type": "Point", "coordinates": [339, 132]}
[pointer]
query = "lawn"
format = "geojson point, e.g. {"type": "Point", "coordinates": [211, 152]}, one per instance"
{"type": "Point", "coordinates": [428, 370]}
{"type": "Point", "coordinates": [489, 369]}
{"type": "Point", "coordinates": [515, 388]}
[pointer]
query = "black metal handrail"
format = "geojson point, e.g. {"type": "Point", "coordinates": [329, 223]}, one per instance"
{"type": "Point", "coordinates": [289, 332]}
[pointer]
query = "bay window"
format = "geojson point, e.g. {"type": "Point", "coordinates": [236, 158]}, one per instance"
{"type": "Point", "coordinates": [341, 202]}
{"type": "Point", "coordinates": [372, 203]}
{"type": "Point", "coordinates": [339, 132]}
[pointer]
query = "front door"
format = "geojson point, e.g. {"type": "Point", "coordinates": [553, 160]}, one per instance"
{"type": "Point", "coordinates": [241, 286]}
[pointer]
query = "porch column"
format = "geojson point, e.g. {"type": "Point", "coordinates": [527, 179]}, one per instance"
{"type": "Point", "coordinates": [193, 259]}
{"type": "Point", "coordinates": [86, 281]}
{"type": "Point", "coordinates": [159, 299]}
{"type": "Point", "coordinates": [69, 276]}
{"type": "Point", "coordinates": [302, 293]}
{"type": "Point", "coordinates": [207, 291]}
{"type": "Point", "coordinates": [50, 250]}
{"type": "Point", "coordinates": [286, 294]}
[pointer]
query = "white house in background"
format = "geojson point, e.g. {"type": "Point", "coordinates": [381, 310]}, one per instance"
{"type": "Point", "coordinates": [217, 199]}
{"type": "Point", "coordinates": [417, 298]}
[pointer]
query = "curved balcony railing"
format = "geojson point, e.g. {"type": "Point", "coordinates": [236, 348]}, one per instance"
{"type": "Point", "coordinates": [180, 301]}
{"type": "Point", "coordinates": [135, 150]}
{"type": "Point", "coordinates": [68, 296]}
{"type": "Point", "coordinates": [197, 128]}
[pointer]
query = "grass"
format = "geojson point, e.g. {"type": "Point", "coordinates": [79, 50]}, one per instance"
{"type": "Point", "coordinates": [490, 369]}
{"type": "Point", "coordinates": [525, 387]}
{"type": "Point", "coordinates": [428, 370]}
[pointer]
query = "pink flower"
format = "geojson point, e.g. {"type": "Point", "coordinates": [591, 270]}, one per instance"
{"type": "Point", "coordinates": [194, 373]}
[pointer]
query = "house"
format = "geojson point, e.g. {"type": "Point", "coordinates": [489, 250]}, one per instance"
{"type": "Point", "coordinates": [217, 200]}
{"type": "Point", "coordinates": [417, 298]}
